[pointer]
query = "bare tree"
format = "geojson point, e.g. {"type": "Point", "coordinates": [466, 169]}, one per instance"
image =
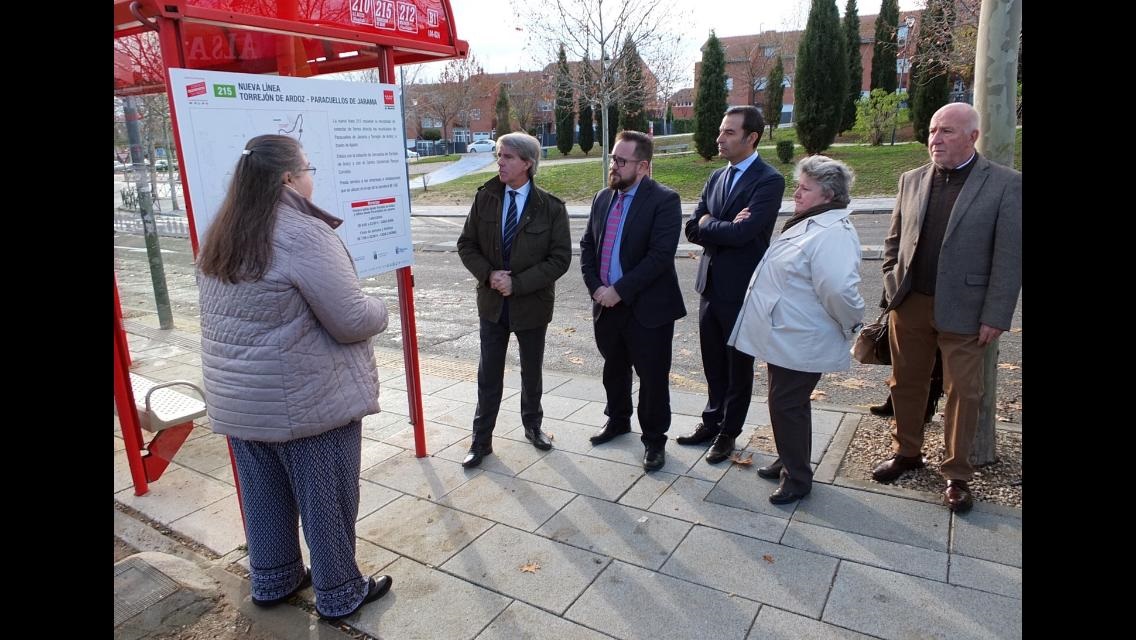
{"type": "Point", "coordinates": [452, 94]}
{"type": "Point", "coordinates": [595, 31]}
{"type": "Point", "coordinates": [526, 94]}
{"type": "Point", "coordinates": [950, 40]}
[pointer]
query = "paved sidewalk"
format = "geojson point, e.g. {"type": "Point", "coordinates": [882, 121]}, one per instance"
{"type": "Point", "coordinates": [691, 551]}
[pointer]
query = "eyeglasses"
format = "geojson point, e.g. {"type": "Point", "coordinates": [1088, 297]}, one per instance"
{"type": "Point", "coordinates": [621, 162]}
{"type": "Point", "coordinates": [309, 168]}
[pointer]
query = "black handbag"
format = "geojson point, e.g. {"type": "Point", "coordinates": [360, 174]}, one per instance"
{"type": "Point", "coordinates": [871, 346]}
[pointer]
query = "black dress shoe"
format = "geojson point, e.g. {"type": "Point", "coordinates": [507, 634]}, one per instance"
{"type": "Point", "coordinates": [538, 439]}
{"type": "Point", "coordinates": [375, 590]}
{"type": "Point", "coordinates": [781, 496]}
{"type": "Point", "coordinates": [701, 434]}
{"type": "Point", "coordinates": [721, 449]}
{"type": "Point", "coordinates": [895, 466]}
{"type": "Point", "coordinates": [305, 582]}
{"type": "Point", "coordinates": [654, 459]}
{"type": "Point", "coordinates": [608, 432]}
{"type": "Point", "coordinates": [771, 472]}
{"type": "Point", "coordinates": [957, 496]}
{"type": "Point", "coordinates": [475, 455]}
{"type": "Point", "coordinates": [884, 410]}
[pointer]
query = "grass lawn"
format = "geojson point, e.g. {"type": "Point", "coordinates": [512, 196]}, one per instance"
{"type": "Point", "coordinates": [877, 173]}
{"type": "Point", "coordinates": [446, 158]}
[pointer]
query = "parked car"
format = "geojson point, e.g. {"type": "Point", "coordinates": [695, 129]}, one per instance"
{"type": "Point", "coordinates": [411, 154]}
{"type": "Point", "coordinates": [161, 164]}
{"type": "Point", "coordinates": [482, 145]}
{"type": "Point", "coordinates": [120, 166]}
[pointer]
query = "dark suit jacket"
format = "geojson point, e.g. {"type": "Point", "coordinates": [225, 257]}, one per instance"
{"type": "Point", "coordinates": [730, 252]}
{"type": "Point", "coordinates": [980, 262]}
{"type": "Point", "coordinates": [647, 253]}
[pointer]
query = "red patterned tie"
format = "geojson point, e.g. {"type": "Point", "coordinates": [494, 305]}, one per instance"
{"type": "Point", "coordinates": [609, 239]}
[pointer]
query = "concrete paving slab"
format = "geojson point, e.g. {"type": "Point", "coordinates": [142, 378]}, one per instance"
{"type": "Point", "coordinates": [178, 493]}
{"type": "Point", "coordinates": [557, 573]}
{"type": "Point", "coordinates": [689, 407]}
{"type": "Point", "coordinates": [421, 530]}
{"type": "Point", "coordinates": [903, 558]}
{"type": "Point", "coordinates": [648, 489]}
{"type": "Point", "coordinates": [877, 516]}
{"type": "Point", "coordinates": [461, 417]}
{"type": "Point", "coordinates": [681, 460]}
{"type": "Point", "coordinates": [525, 622]}
{"type": "Point", "coordinates": [758, 412]}
{"type": "Point", "coordinates": [380, 426]}
{"type": "Point", "coordinates": [375, 452]}
{"type": "Point", "coordinates": [517, 503]}
{"type": "Point", "coordinates": [819, 442]}
{"type": "Point", "coordinates": [438, 437]}
{"type": "Point", "coordinates": [679, 610]}
{"type": "Point", "coordinates": [373, 497]}
{"type": "Point", "coordinates": [217, 526]}
{"type": "Point", "coordinates": [893, 605]}
{"type": "Point", "coordinates": [986, 576]}
{"type": "Point", "coordinates": [826, 421]}
{"type": "Point", "coordinates": [583, 474]}
{"type": "Point", "coordinates": [775, 624]}
{"type": "Point", "coordinates": [224, 473]}
{"type": "Point", "coordinates": [434, 407]}
{"type": "Point", "coordinates": [592, 415]}
{"type": "Point", "coordinates": [565, 436]}
{"type": "Point", "coordinates": [560, 407]}
{"type": "Point", "coordinates": [767, 572]}
{"type": "Point", "coordinates": [466, 391]}
{"type": "Point", "coordinates": [509, 456]}
{"type": "Point", "coordinates": [122, 478]}
{"type": "Point", "coordinates": [686, 500]}
{"type": "Point", "coordinates": [425, 604]}
{"type": "Point", "coordinates": [742, 488]}
{"type": "Point", "coordinates": [428, 477]}
{"type": "Point", "coordinates": [394, 400]}
{"type": "Point", "coordinates": [581, 389]}
{"type": "Point", "coordinates": [988, 536]}
{"type": "Point", "coordinates": [632, 535]}
{"type": "Point", "coordinates": [430, 384]}
{"type": "Point", "coordinates": [549, 381]}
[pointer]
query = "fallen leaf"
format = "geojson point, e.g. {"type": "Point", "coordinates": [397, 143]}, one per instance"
{"type": "Point", "coordinates": [576, 360]}
{"type": "Point", "coordinates": [854, 383]}
{"type": "Point", "coordinates": [551, 435]}
{"type": "Point", "coordinates": [530, 567]}
{"type": "Point", "coordinates": [768, 558]}
{"type": "Point", "coordinates": [569, 329]}
{"type": "Point", "coordinates": [737, 459]}
{"type": "Point", "coordinates": [1016, 330]}
{"type": "Point", "coordinates": [818, 395]}
{"type": "Point", "coordinates": [1008, 367]}
{"type": "Point", "coordinates": [692, 255]}
{"type": "Point", "coordinates": [684, 352]}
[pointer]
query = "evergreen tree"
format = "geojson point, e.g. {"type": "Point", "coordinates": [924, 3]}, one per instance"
{"type": "Point", "coordinates": [855, 68]}
{"type": "Point", "coordinates": [930, 88]}
{"type": "Point", "coordinates": [710, 100]}
{"type": "Point", "coordinates": [587, 137]}
{"type": "Point", "coordinates": [668, 120]}
{"type": "Point", "coordinates": [502, 109]}
{"type": "Point", "coordinates": [565, 118]}
{"type": "Point", "coordinates": [612, 119]}
{"type": "Point", "coordinates": [822, 78]}
{"type": "Point", "coordinates": [632, 113]}
{"type": "Point", "coordinates": [883, 53]}
{"type": "Point", "coordinates": [774, 96]}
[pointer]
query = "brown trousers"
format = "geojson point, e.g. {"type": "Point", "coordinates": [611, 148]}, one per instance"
{"type": "Point", "coordinates": [913, 339]}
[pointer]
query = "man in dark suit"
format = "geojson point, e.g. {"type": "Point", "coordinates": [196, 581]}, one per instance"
{"type": "Point", "coordinates": [627, 256]}
{"type": "Point", "coordinates": [952, 273]}
{"type": "Point", "coordinates": [733, 223]}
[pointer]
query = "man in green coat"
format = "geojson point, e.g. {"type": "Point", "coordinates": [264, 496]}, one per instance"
{"type": "Point", "coordinates": [516, 244]}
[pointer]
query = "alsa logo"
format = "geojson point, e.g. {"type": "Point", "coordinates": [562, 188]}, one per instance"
{"type": "Point", "coordinates": [195, 89]}
{"type": "Point", "coordinates": [388, 97]}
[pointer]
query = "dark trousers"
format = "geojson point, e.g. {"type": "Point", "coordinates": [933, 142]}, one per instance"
{"type": "Point", "coordinates": [729, 372]}
{"type": "Point", "coordinates": [790, 411]}
{"type": "Point", "coordinates": [491, 377]}
{"type": "Point", "coordinates": [625, 343]}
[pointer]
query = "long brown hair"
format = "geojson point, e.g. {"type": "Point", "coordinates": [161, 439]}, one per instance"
{"type": "Point", "coordinates": [238, 245]}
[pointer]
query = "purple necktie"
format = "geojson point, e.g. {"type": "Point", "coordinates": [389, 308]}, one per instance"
{"type": "Point", "coordinates": [610, 232]}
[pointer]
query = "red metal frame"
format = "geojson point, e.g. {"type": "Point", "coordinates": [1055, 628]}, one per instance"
{"type": "Point", "coordinates": [132, 18]}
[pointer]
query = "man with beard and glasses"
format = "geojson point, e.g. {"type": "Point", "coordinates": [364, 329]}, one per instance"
{"type": "Point", "coordinates": [627, 258]}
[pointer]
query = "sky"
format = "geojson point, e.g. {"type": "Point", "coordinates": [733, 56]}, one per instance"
{"type": "Point", "coordinates": [496, 36]}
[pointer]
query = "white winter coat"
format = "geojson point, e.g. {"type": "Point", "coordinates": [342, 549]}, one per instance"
{"type": "Point", "coordinates": [803, 305]}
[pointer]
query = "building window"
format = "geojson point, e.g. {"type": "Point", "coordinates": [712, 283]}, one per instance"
{"type": "Point", "coordinates": [769, 52]}
{"type": "Point", "coordinates": [761, 83]}
{"type": "Point", "coordinates": [545, 105]}
{"type": "Point", "coordinates": [729, 84]}
{"type": "Point", "coordinates": [901, 35]}
{"type": "Point", "coordinates": [475, 114]}
{"type": "Point", "coordinates": [788, 81]}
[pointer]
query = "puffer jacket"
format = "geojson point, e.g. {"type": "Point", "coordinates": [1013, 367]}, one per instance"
{"type": "Point", "coordinates": [289, 356]}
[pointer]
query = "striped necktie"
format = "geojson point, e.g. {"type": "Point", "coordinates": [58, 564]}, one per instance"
{"type": "Point", "coordinates": [610, 232]}
{"type": "Point", "coordinates": [510, 226]}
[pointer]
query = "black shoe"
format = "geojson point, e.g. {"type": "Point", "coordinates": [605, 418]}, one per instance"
{"type": "Point", "coordinates": [305, 582]}
{"type": "Point", "coordinates": [654, 459]}
{"type": "Point", "coordinates": [701, 434]}
{"type": "Point", "coordinates": [721, 449]}
{"type": "Point", "coordinates": [538, 439]}
{"type": "Point", "coordinates": [781, 496]}
{"type": "Point", "coordinates": [475, 455]}
{"type": "Point", "coordinates": [609, 431]}
{"type": "Point", "coordinates": [884, 410]}
{"type": "Point", "coordinates": [375, 590]}
{"type": "Point", "coordinates": [771, 472]}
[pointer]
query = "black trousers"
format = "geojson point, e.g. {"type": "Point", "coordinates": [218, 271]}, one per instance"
{"type": "Point", "coordinates": [729, 372]}
{"type": "Point", "coordinates": [491, 377]}
{"type": "Point", "coordinates": [625, 344]}
{"type": "Point", "coordinates": [790, 411]}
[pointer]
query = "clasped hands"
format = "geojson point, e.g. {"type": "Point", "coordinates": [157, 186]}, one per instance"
{"type": "Point", "coordinates": [502, 282]}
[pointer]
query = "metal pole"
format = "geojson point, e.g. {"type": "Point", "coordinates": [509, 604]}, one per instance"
{"type": "Point", "coordinates": [995, 93]}
{"type": "Point", "coordinates": [150, 230]}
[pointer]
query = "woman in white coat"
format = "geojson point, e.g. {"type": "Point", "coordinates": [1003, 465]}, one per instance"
{"type": "Point", "coordinates": [801, 311]}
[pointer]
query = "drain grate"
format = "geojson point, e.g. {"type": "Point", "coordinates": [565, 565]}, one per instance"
{"type": "Point", "coordinates": [137, 586]}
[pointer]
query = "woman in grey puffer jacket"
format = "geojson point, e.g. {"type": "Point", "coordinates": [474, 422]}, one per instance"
{"type": "Point", "coordinates": [289, 374]}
